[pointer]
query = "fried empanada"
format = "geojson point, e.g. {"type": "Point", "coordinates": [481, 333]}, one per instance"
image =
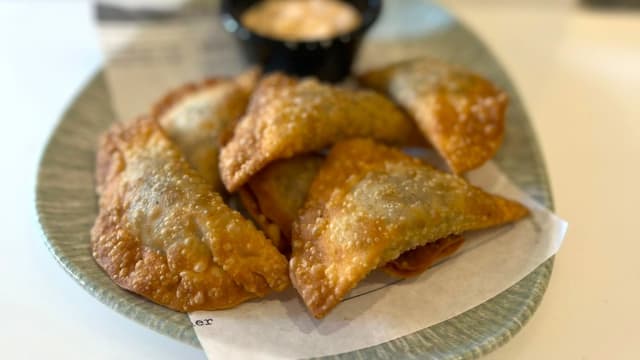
{"type": "Point", "coordinates": [162, 233]}
{"type": "Point", "coordinates": [368, 204]}
{"type": "Point", "coordinates": [274, 196]}
{"type": "Point", "coordinates": [201, 117]}
{"type": "Point", "coordinates": [287, 117]}
{"type": "Point", "coordinates": [414, 262]}
{"type": "Point", "coordinates": [460, 113]}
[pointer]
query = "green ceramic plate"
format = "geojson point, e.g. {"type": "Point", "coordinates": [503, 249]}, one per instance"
{"type": "Point", "coordinates": [67, 205]}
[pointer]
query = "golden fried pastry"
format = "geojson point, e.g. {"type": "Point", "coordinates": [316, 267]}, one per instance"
{"type": "Point", "coordinates": [274, 196]}
{"type": "Point", "coordinates": [162, 233]}
{"type": "Point", "coordinates": [414, 262]}
{"type": "Point", "coordinates": [368, 204]}
{"type": "Point", "coordinates": [287, 117]}
{"type": "Point", "coordinates": [200, 118]}
{"type": "Point", "coordinates": [461, 114]}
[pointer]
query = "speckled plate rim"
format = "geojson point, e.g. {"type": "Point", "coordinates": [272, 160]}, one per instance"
{"type": "Point", "coordinates": [65, 182]}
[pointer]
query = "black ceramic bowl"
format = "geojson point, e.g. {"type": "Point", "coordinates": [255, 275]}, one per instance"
{"type": "Point", "coordinates": [328, 59]}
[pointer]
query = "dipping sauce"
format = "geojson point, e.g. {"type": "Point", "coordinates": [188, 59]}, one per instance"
{"type": "Point", "coordinates": [301, 20]}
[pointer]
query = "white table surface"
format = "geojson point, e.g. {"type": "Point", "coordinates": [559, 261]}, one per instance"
{"type": "Point", "coordinates": [579, 74]}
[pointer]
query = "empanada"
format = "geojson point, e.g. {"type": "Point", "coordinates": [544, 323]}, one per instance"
{"type": "Point", "coordinates": [274, 196]}
{"type": "Point", "coordinates": [368, 204]}
{"type": "Point", "coordinates": [287, 117]}
{"type": "Point", "coordinates": [162, 233]}
{"type": "Point", "coordinates": [461, 114]}
{"type": "Point", "coordinates": [201, 117]}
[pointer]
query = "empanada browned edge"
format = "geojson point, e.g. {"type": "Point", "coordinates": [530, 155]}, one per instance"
{"type": "Point", "coordinates": [162, 233]}
{"type": "Point", "coordinates": [461, 113]}
{"type": "Point", "coordinates": [369, 204]}
{"type": "Point", "coordinates": [289, 116]}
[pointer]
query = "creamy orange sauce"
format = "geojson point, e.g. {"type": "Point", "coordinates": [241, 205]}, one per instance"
{"type": "Point", "coordinates": [301, 19]}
